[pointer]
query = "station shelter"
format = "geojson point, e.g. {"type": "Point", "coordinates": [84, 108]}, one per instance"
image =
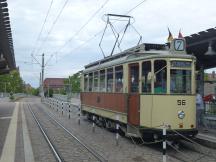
{"type": "Point", "coordinates": [7, 59]}
{"type": "Point", "coordinates": [203, 46]}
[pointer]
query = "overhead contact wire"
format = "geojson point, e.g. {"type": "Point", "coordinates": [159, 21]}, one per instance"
{"type": "Point", "coordinates": [52, 27]}
{"type": "Point", "coordinates": [42, 28]}
{"type": "Point", "coordinates": [84, 25]}
{"type": "Point", "coordinates": [95, 35]}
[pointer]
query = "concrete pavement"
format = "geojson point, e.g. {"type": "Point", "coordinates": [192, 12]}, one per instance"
{"type": "Point", "coordinates": [15, 144]}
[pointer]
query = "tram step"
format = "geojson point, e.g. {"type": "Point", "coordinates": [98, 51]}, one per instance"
{"type": "Point", "coordinates": [133, 131]}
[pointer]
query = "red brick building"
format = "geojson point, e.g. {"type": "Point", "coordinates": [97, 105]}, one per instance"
{"type": "Point", "coordinates": [54, 83]}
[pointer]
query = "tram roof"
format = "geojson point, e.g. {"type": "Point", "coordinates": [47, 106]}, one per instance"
{"type": "Point", "coordinates": [7, 59]}
{"type": "Point", "coordinates": [198, 43]}
{"type": "Point", "coordinates": [135, 56]}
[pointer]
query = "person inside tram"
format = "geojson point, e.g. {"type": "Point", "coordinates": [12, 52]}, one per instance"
{"type": "Point", "coordinates": [160, 83]}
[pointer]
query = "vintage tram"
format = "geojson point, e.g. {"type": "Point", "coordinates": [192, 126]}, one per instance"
{"type": "Point", "coordinates": [144, 88]}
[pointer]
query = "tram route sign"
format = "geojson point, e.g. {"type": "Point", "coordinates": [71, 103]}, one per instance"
{"type": "Point", "coordinates": [181, 64]}
{"type": "Point", "coordinates": [179, 45]}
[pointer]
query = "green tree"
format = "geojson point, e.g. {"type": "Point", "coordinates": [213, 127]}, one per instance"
{"type": "Point", "coordinates": [11, 82]}
{"type": "Point", "coordinates": [74, 82]}
{"type": "Point", "coordinates": [206, 78]}
{"type": "Point", "coordinates": [35, 91]}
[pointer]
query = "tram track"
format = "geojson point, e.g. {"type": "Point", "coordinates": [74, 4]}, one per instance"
{"type": "Point", "coordinates": [52, 147]}
{"type": "Point", "coordinates": [55, 141]}
{"type": "Point", "coordinates": [183, 153]}
{"type": "Point", "coordinates": [187, 153]}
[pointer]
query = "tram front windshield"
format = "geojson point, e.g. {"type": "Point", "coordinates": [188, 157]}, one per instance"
{"type": "Point", "coordinates": [180, 77]}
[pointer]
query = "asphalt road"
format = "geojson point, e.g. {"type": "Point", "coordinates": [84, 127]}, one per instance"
{"type": "Point", "coordinates": [6, 111]}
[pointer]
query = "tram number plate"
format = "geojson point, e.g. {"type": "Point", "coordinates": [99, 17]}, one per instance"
{"type": "Point", "coordinates": [181, 102]}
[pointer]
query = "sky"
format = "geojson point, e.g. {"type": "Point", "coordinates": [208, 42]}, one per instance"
{"type": "Point", "coordinates": [70, 41]}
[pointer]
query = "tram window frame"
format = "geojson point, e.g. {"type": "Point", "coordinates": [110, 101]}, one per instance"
{"type": "Point", "coordinates": [90, 84]}
{"type": "Point", "coordinates": [96, 81]}
{"type": "Point", "coordinates": [184, 87]}
{"type": "Point", "coordinates": [109, 76]}
{"type": "Point", "coordinates": [102, 86]}
{"type": "Point", "coordinates": [86, 77]}
{"type": "Point", "coordinates": [134, 77]}
{"type": "Point", "coordinates": [119, 72]}
{"type": "Point", "coordinates": [182, 84]}
{"type": "Point", "coordinates": [160, 87]}
{"type": "Point", "coordinates": [145, 81]}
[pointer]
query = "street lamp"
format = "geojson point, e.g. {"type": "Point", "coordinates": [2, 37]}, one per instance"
{"type": "Point", "coordinates": [210, 51]}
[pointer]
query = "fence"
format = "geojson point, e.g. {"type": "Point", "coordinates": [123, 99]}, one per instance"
{"type": "Point", "coordinates": [209, 117]}
{"type": "Point", "coordinates": [210, 108]}
{"type": "Point", "coordinates": [66, 98]}
{"type": "Point", "coordinates": [2, 94]}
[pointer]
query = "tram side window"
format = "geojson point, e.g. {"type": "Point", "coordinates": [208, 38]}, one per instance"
{"type": "Point", "coordinates": [110, 80]}
{"type": "Point", "coordinates": [95, 81]}
{"type": "Point", "coordinates": [146, 82]}
{"type": "Point", "coordinates": [90, 81]}
{"type": "Point", "coordinates": [119, 79]}
{"type": "Point", "coordinates": [102, 81]}
{"type": "Point", "coordinates": [160, 76]}
{"type": "Point", "coordinates": [86, 82]}
{"type": "Point", "coordinates": [134, 78]}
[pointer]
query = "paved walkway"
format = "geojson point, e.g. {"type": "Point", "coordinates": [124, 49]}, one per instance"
{"type": "Point", "coordinates": [207, 136]}
{"type": "Point", "coordinates": [14, 130]}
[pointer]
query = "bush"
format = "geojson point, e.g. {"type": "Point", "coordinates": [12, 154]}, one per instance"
{"type": "Point", "coordinates": [11, 96]}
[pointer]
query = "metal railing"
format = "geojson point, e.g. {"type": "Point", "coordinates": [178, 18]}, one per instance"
{"type": "Point", "coordinates": [209, 116]}
{"type": "Point", "coordinates": [210, 108]}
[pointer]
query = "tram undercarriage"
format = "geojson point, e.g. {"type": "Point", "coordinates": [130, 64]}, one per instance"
{"type": "Point", "coordinates": [147, 134]}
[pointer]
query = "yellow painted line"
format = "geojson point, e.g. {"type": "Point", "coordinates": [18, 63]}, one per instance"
{"type": "Point", "coordinates": [8, 153]}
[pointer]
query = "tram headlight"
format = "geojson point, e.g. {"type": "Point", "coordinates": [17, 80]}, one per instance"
{"type": "Point", "coordinates": [181, 114]}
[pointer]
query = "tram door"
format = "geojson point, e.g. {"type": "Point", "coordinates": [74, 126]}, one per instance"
{"type": "Point", "coordinates": [133, 97]}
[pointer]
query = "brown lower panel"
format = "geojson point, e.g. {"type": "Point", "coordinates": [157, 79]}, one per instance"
{"type": "Point", "coordinates": [112, 101]}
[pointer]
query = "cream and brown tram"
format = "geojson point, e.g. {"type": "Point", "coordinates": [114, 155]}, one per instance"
{"type": "Point", "coordinates": [146, 87]}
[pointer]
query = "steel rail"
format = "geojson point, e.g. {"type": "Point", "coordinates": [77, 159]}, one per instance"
{"type": "Point", "coordinates": [91, 150]}
{"type": "Point", "coordinates": [55, 152]}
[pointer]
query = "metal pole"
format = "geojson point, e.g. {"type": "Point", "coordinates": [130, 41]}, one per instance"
{"type": "Point", "coordinates": [42, 77]}
{"type": "Point", "coordinates": [164, 143]}
{"type": "Point", "coordinates": [40, 84]}
{"type": "Point", "coordinates": [62, 108]}
{"type": "Point", "coordinates": [202, 80]}
{"type": "Point", "coordinates": [48, 91]}
{"type": "Point", "coordinates": [57, 106]}
{"type": "Point", "coordinates": [93, 124]}
{"type": "Point", "coordinates": [70, 86]}
{"type": "Point", "coordinates": [79, 114]}
{"type": "Point", "coordinates": [117, 130]}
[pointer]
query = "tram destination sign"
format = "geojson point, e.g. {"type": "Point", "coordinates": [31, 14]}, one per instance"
{"type": "Point", "coordinates": [181, 64]}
